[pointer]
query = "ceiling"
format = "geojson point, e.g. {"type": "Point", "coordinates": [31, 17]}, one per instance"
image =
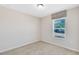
{"type": "Point", "coordinates": [33, 10]}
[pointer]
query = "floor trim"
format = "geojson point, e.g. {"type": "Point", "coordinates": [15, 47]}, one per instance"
{"type": "Point", "coordinates": [75, 50]}
{"type": "Point", "coordinates": [2, 51]}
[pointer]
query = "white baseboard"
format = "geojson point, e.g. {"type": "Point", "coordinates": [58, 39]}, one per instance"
{"type": "Point", "coordinates": [4, 50]}
{"type": "Point", "coordinates": [72, 49]}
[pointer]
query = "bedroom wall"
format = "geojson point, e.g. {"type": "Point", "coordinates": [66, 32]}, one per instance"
{"type": "Point", "coordinates": [71, 40]}
{"type": "Point", "coordinates": [17, 29]}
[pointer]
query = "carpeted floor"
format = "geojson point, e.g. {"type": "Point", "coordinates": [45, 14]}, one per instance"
{"type": "Point", "coordinates": [40, 48]}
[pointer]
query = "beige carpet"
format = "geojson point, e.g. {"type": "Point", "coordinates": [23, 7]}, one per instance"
{"type": "Point", "coordinates": [40, 48]}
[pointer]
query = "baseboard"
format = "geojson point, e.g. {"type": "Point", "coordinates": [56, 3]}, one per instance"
{"type": "Point", "coordinates": [4, 50]}
{"type": "Point", "coordinates": [75, 50]}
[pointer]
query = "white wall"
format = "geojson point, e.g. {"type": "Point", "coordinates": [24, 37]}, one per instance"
{"type": "Point", "coordinates": [71, 40]}
{"type": "Point", "coordinates": [17, 29]}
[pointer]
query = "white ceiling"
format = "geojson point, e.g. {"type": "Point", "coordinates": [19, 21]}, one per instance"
{"type": "Point", "coordinates": [40, 12]}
